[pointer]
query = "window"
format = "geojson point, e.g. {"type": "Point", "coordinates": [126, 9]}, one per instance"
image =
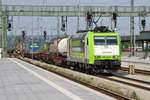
{"type": "Point", "coordinates": [107, 40]}
{"type": "Point", "coordinates": [111, 40]}
{"type": "Point", "coordinates": [99, 40]}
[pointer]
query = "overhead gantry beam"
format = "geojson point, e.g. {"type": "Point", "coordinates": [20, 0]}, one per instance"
{"type": "Point", "coordinates": [105, 11]}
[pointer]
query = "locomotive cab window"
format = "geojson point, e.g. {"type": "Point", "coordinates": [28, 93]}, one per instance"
{"type": "Point", "coordinates": [111, 40]}
{"type": "Point", "coordinates": [107, 40]}
{"type": "Point", "coordinates": [99, 40]}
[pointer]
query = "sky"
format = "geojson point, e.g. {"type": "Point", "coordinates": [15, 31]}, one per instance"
{"type": "Point", "coordinates": [36, 25]}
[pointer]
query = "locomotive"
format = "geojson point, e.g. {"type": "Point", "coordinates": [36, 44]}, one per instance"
{"type": "Point", "coordinates": [97, 50]}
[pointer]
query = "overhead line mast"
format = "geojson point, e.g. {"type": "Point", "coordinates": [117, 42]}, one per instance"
{"type": "Point", "coordinates": [1, 25]}
{"type": "Point", "coordinates": [132, 35]}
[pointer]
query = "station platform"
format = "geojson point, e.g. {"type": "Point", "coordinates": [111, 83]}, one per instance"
{"type": "Point", "coordinates": [22, 81]}
{"type": "Point", "coordinates": [139, 62]}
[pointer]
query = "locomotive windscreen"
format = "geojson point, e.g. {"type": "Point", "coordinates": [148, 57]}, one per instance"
{"type": "Point", "coordinates": [111, 40]}
{"type": "Point", "coordinates": [104, 40]}
{"type": "Point", "coordinates": [99, 40]}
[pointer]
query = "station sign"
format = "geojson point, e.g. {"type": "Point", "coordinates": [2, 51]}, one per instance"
{"type": "Point", "coordinates": [34, 47]}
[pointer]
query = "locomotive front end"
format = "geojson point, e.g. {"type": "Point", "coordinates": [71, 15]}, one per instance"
{"type": "Point", "coordinates": [104, 50]}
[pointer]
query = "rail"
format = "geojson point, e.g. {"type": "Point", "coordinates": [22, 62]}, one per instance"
{"type": "Point", "coordinates": [103, 90]}
{"type": "Point", "coordinates": [139, 71]}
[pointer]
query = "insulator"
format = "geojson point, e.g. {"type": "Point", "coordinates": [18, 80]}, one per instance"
{"type": "Point", "coordinates": [89, 16]}
{"type": "Point", "coordinates": [115, 16]}
{"type": "Point", "coordinates": [143, 22]}
{"type": "Point", "coordinates": [9, 26]}
{"type": "Point", "coordinates": [45, 34]}
{"type": "Point", "coordinates": [23, 34]}
{"type": "Point", "coordinates": [63, 27]}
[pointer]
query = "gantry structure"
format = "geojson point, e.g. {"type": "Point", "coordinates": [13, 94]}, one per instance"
{"type": "Point", "coordinates": [72, 11]}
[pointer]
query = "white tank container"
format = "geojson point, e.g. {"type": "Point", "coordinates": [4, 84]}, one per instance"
{"type": "Point", "coordinates": [62, 45]}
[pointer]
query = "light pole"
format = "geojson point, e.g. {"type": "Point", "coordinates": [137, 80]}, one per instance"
{"type": "Point", "coordinates": [58, 26]}
{"type": "Point", "coordinates": [1, 37]}
{"type": "Point", "coordinates": [132, 38]}
{"type": "Point", "coordinates": [78, 18]}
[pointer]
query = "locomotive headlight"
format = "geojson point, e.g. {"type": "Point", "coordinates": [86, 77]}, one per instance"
{"type": "Point", "coordinates": [115, 57]}
{"type": "Point", "coordinates": [97, 57]}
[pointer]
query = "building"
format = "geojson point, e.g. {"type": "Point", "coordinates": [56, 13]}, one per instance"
{"type": "Point", "coordinates": [142, 41]}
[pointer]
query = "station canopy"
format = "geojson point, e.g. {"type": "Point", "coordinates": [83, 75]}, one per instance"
{"type": "Point", "coordinates": [144, 36]}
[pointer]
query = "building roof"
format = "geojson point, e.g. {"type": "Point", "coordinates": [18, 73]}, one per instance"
{"type": "Point", "coordinates": [144, 36]}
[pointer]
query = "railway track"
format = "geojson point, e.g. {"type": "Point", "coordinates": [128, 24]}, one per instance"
{"type": "Point", "coordinates": [139, 71]}
{"type": "Point", "coordinates": [132, 79]}
{"type": "Point", "coordinates": [123, 80]}
{"type": "Point", "coordinates": [113, 94]}
{"type": "Point", "coordinates": [129, 82]}
{"type": "Point", "coordinates": [102, 90]}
